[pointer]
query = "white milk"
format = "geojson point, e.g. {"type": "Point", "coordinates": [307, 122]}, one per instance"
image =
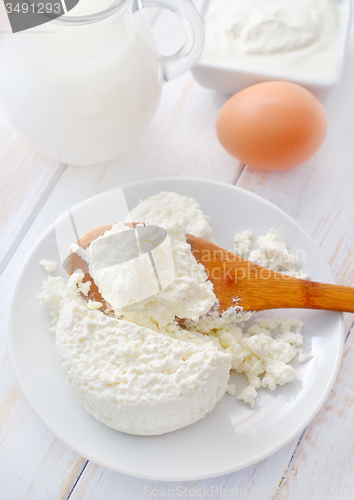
{"type": "Point", "coordinates": [82, 94]}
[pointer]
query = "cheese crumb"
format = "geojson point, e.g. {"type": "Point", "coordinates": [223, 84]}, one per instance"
{"type": "Point", "coordinates": [243, 243]}
{"type": "Point", "coordinates": [84, 287]}
{"type": "Point", "coordinates": [93, 305]}
{"type": "Point", "coordinates": [49, 265]}
{"type": "Point", "coordinates": [248, 395]}
{"type": "Point", "coordinates": [271, 253]}
{"type": "Point", "coordinates": [303, 356]}
{"type": "Point", "coordinates": [231, 389]}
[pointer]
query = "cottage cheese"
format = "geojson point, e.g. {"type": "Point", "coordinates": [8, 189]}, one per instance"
{"type": "Point", "coordinates": [271, 253]}
{"type": "Point", "coordinates": [169, 206]}
{"type": "Point", "coordinates": [140, 372]}
{"type": "Point", "coordinates": [186, 293]}
{"type": "Point", "coordinates": [48, 265]}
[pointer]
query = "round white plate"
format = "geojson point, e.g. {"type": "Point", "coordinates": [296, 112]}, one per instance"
{"type": "Point", "coordinates": [233, 435]}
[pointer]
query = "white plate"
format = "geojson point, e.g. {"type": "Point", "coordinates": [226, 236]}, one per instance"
{"type": "Point", "coordinates": [232, 436]}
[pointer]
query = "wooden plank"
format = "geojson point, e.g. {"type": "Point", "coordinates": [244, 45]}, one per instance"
{"type": "Point", "coordinates": [26, 179]}
{"type": "Point", "coordinates": [259, 481]}
{"type": "Point", "coordinates": [323, 466]}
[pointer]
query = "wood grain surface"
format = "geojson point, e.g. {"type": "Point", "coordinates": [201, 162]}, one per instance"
{"type": "Point", "coordinates": [34, 465]}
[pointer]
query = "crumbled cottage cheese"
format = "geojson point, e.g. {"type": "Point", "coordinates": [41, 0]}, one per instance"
{"type": "Point", "coordinates": [243, 243]}
{"type": "Point", "coordinates": [140, 371]}
{"type": "Point", "coordinates": [187, 295]}
{"type": "Point", "coordinates": [168, 206]}
{"type": "Point", "coordinates": [271, 253]}
{"type": "Point", "coordinates": [49, 266]}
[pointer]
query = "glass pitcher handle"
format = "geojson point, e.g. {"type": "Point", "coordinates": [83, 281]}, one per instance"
{"type": "Point", "coordinates": [180, 62]}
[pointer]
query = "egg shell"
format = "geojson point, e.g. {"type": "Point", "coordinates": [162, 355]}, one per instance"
{"type": "Point", "coordinates": [272, 125]}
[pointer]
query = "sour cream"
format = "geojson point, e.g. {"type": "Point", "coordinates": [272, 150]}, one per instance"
{"type": "Point", "coordinates": [291, 37]}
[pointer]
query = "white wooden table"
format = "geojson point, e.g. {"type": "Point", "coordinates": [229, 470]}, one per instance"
{"type": "Point", "coordinates": [318, 464]}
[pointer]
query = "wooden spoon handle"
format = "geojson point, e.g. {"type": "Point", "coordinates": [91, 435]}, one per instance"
{"type": "Point", "coordinates": [278, 291]}
{"type": "Point", "coordinates": [296, 293]}
{"type": "Point", "coordinates": [240, 282]}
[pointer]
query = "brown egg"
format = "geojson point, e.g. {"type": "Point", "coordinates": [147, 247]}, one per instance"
{"type": "Point", "coordinates": [272, 125]}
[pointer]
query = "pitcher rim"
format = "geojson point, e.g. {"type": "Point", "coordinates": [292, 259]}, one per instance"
{"type": "Point", "coordinates": [68, 20]}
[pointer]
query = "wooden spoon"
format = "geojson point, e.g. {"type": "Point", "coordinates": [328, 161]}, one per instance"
{"type": "Point", "coordinates": [238, 282]}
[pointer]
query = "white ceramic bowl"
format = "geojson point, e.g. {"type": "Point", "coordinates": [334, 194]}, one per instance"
{"type": "Point", "coordinates": [233, 435]}
{"type": "Point", "coordinates": [231, 79]}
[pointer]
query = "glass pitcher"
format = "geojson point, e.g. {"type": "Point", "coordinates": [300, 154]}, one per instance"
{"type": "Point", "coordinates": [83, 89]}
